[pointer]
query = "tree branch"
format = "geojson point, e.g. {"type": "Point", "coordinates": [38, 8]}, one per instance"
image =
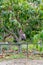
{"type": "Point", "coordinates": [10, 33]}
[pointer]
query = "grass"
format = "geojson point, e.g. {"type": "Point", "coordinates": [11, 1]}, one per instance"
{"type": "Point", "coordinates": [21, 55]}
{"type": "Point", "coordinates": [17, 56]}
{"type": "Point", "coordinates": [13, 56]}
{"type": "Point", "coordinates": [15, 48]}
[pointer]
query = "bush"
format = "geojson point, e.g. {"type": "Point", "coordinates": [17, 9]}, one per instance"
{"type": "Point", "coordinates": [38, 40]}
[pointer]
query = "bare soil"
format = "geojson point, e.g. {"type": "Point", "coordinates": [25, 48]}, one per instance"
{"type": "Point", "coordinates": [22, 62]}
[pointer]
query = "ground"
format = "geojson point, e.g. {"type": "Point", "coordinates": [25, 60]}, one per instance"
{"type": "Point", "coordinates": [22, 62]}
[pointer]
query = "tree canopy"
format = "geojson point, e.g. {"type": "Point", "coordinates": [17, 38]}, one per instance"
{"type": "Point", "coordinates": [20, 14]}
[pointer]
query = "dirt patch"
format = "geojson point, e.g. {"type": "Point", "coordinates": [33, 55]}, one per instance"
{"type": "Point", "coordinates": [22, 62]}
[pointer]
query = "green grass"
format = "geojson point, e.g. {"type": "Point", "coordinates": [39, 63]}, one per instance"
{"type": "Point", "coordinates": [17, 56]}
{"type": "Point", "coordinates": [15, 48]}
{"type": "Point", "coordinates": [13, 56]}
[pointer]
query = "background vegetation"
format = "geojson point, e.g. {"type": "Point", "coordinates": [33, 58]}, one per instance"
{"type": "Point", "coordinates": [25, 14]}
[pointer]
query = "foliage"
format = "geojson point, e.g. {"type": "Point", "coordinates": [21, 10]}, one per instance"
{"type": "Point", "coordinates": [17, 14]}
{"type": "Point", "coordinates": [38, 40]}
